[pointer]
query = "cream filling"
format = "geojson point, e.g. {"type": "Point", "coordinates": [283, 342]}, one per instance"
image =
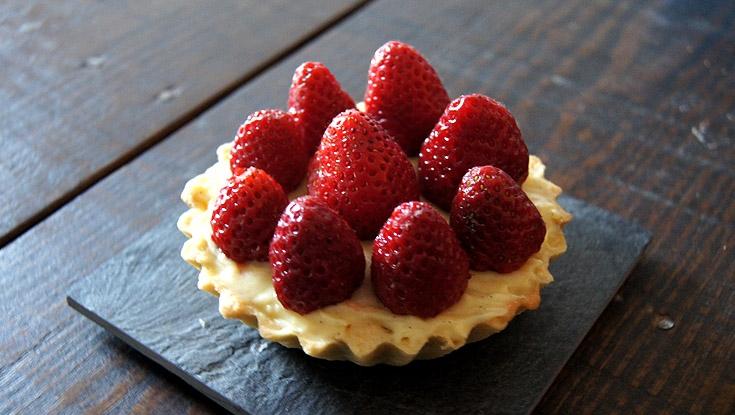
{"type": "Point", "coordinates": [361, 329]}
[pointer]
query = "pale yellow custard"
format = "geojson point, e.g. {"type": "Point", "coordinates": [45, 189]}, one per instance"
{"type": "Point", "coordinates": [361, 329]}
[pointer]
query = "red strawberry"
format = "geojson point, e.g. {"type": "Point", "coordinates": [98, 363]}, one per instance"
{"type": "Point", "coordinates": [404, 94]}
{"type": "Point", "coordinates": [498, 225]}
{"type": "Point", "coordinates": [314, 99]}
{"type": "Point", "coordinates": [245, 214]}
{"type": "Point", "coordinates": [361, 173]}
{"type": "Point", "coordinates": [270, 140]}
{"type": "Point", "coordinates": [418, 266]}
{"type": "Point", "coordinates": [474, 131]}
{"type": "Point", "coordinates": [316, 257]}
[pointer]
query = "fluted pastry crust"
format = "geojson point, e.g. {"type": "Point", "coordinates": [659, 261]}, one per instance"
{"type": "Point", "coordinates": [361, 329]}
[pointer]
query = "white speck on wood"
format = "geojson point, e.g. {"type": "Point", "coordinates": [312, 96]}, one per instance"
{"type": "Point", "coordinates": [665, 323]}
{"type": "Point", "coordinates": [700, 133]}
{"type": "Point", "coordinates": [560, 80]}
{"type": "Point", "coordinates": [169, 93]}
{"type": "Point", "coordinates": [30, 26]}
{"type": "Point", "coordinates": [203, 323]}
{"type": "Point", "coordinates": [95, 61]}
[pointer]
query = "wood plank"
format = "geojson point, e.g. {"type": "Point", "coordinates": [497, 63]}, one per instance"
{"type": "Point", "coordinates": [86, 85]}
{"type": "Point", "coordinates": [137, 296]}
{"type": "Point", "coordinates": [610, 94]}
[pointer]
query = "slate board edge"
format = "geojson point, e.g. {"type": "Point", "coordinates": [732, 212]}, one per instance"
{"type": "Point", "coordinates": [640, 233]}
{"type": "Point", "coordinates": [647, 237]}
{"type": "Point", "coordinates": [159, 359]}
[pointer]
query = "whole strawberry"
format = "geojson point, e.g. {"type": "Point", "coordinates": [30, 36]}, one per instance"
{"type": "Point", "coordinates": [245, 214]}
{"type": "Point", "coordinates": [404, 93]}
{"type": "Point", "coordinates": [270, 140]}
{"type": "Point", "coordinates": [316, 257]}
{"type": "Point", "coordinates": [361, 173]}
{"type": "Point", "coordinates": [500, 228]}
{"type": "Point", "coordinates": [473, 131]}
{"type": "Point", "coordinates": [418, 266]}
{"type": "Point", "coordinates": [314, 99]}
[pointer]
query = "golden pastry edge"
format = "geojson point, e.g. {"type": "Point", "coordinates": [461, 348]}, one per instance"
{"type": "Point", "coordinates": [364, 341]}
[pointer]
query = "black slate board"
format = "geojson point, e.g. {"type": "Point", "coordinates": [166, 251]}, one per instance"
{"type": "Point", "coordinates": [147, 296]}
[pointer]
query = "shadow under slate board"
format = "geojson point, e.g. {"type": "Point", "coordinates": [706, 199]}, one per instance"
{"type": "Point", "coordinates": [147, 296]}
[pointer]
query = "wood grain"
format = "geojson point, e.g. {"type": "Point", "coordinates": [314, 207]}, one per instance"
{"type": "Point", "coordinates": [86, 85]}
{"type": "Point", "coordinates": [630, 105]}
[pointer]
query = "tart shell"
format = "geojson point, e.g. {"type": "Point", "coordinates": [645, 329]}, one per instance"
{"type": "Point", "coordinates": [361, 329]}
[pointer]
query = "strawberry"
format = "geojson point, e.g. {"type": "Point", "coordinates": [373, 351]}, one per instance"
{"type": "Point", "coordinates": [404, 93]}
{"type": "Point", "coordinates": [418, 266]}
{"type": "Point", "coordinates": [473, 131]}
{"type": "Point", "coordinates": [314, 99]}
{"type": "Point", "coordinates": [498, 225]}
{"type": "Point", "coordinates": [270, 140]}
{"type": "Point", "coordinates": [361, 173]}
{"type": "Point", "coordinates": [316, 257]}
{"type": "Point", "coordinates": [245, 214]}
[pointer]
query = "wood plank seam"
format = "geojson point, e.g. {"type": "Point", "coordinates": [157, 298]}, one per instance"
{"type": "Point", "coordinates": [181, 121]}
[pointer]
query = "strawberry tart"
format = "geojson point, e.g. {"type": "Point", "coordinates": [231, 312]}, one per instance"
{"type": "Point", "coordinates": [396, 229]}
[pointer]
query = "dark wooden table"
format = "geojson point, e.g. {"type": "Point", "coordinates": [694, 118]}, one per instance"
{"type": "Point", "coordinates": [107, 108]}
